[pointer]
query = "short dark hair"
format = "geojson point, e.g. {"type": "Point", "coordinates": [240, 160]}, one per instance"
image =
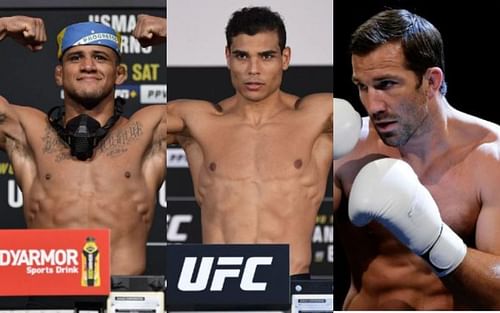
{"type": "Point", "coordinates": [421, 41]}
{"type": "Point", "coordinates": [253, 20]}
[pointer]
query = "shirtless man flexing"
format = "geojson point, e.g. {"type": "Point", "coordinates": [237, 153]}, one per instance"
{"type": "Point", "coordinates": [85, 165]}
{"type": "Point", "coordinates": [260, 159]}
{"type": "Point", "coordinates": [420, 228]}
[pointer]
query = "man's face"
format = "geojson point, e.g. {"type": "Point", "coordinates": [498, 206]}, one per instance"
{"type": "Point", "coordinates": [256, 64]}
{"type": "Point", "coordinates": [391, 94]}
{"type": "Point", "coordinates": [88, 74]}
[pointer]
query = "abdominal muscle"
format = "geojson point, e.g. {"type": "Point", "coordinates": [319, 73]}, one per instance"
{"type": "Point", "coordinates": [242, 211]}
{"type": "Point", "coordinates": [127, 216]}
{"type": "Point", "coordinates": [386, 275]}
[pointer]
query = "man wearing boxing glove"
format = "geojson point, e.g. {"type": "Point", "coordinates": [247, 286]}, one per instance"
{"type": "Point", "coordinates": [347, 128]}
{"type": "Point", "coordinates": [421, 226]}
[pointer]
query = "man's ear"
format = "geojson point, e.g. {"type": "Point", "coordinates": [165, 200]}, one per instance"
{"type": "Point", "coordinates": [228, 56]}
{"type": "Point", "coordinates": [121, 74]}
{"type": "Point", "coordinates": [58, 75]}
{"type": "Point", "coordinates": [435, 77]}
{"type": "Point", "coordinates": [286, 55]}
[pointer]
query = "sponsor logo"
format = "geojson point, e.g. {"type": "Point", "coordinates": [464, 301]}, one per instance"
{"type": "Point", "coordinates": [91, 276]}
{"type": "Point", "coordinates": [54, 262]}
{"type": "Point", "coordinates": [127, 91]}
{"type": "Point", "coordinates": [39, 257]}
{"type": "Point", "coordinates": [14, 194]}
{"type": "Point", "coordinates": [162, 195]}
{"type": "Point", "coordinates": [174, 223]}
{"type": "Point", "coordinates": [323, 234]}
{"type": "Point", "coordinates": [176, 158]}
{"type": "Point", "coordinates": [6, 168]}
{"type": "Point", "coordinates": [41, 261]}
{"type": "Point", "coordinates": [57, 261]}
{"type": "Point", "coordinates": [329, 256]}
{"type": "Point", "coordinates": [220, 272]}
{"type": "Point", "coordinates": [322, 239]}
{"type": "Point", "coordinates": [153, 94]}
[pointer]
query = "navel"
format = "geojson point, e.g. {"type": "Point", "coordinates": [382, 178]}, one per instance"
{"type": "Point", "coordinates": [127, 174]}
{"type": "Point", "coordinates": [218, 107]}
{"type": "Point", "coordinates": [48, 176]}
{"type": "Point", "coordinates": [297, 163]}
{"type": "Point", "coordinates": [212, 166]}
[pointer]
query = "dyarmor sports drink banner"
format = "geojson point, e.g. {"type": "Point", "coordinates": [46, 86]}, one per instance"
{"type": "Point", "coordinates": [54, 262]}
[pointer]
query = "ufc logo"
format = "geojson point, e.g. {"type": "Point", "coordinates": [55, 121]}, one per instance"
{"type": "Point", "coordinates": [173, 227]}
{"type": "Point", "coordinates": [186, 282]}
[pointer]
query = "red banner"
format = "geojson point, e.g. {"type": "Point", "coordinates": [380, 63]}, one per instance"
{"type": "Point", "coordinates": [54, 262]}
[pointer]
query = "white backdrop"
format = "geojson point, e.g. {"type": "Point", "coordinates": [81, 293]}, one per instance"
{"type": "Point", "coordinates": [196, 30]}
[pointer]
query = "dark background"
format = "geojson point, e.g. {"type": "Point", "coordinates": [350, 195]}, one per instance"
{"type": "Point", "coordinates": [470, 32]}
{"type": "Point", "coordinates": [27, 78]}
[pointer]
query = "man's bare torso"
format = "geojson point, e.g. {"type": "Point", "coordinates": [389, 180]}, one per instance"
{"type": "Point", "coordinates": [385, 274]}
{"type": "Point", "coordinates": [260, 181]}
{"type": "Point", "coordinates": [116, 189]}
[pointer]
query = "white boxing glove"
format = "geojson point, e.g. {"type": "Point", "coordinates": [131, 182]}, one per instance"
{"type": "Point", "coordinates": [388, 191]}
{"type": "Point", "coordinates": [346, 127]}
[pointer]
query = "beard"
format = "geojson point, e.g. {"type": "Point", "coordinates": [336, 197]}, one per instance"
{"type": "Point", "coordinates": [411, 121]}
{"type": "Point", "coordinates": [396, 138]}
{"type": "Point", "coordinates": [88, 100]}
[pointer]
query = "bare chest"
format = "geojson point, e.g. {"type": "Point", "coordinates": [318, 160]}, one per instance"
{"type": "Point", "coordinates": [452, 187]}
{"type": "Point", "coordinates": [273, 148]}
{"type": "Point", "coordinates": [458, 203]}
{"type": "Point", "coordinates": [116, 159]}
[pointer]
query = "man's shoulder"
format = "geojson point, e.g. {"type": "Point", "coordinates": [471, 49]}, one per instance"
{"type": "Point", "coordinates": [314, 100]}
{"type": "Point", "coordinates": [475, 148]}
{"type": "Point", "coordinates": [319, 96]}
{"type": "Point", "coordinates": [481, 133]}
{"type": "Point", "coordinates": [189, 102]}
{"type": "Point", "coordinates": [22, 109]}
{"type": "Point", "coordinates": [191, 105]}
{"type": "Point", "coordinates": [3, 101]}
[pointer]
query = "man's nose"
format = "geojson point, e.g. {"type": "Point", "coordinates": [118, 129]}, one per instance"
{"type": "Point", "coordinates": [254, 66]}
{"type": "Point", "coordinates": [87, 64]}
{"type": "Point", "coordinates": [373, 101]}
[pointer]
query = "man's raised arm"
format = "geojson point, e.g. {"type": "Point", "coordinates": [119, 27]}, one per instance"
{"type": "Point", "coordinates": [150, 30]}
{"type": "Point", "coordinates": [28, 31]}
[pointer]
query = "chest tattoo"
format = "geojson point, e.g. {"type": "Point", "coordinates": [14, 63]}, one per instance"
{"type": "Point", "coordinates": [117, 143]}
{"type": "Point", "coordinates": [113, 145]}
{"type": "Point", "coordinates": [52, 144]}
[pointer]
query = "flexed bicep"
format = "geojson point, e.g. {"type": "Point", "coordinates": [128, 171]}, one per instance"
{"type": "Point", "coordinates": [150, 30]}
{"type": "Point", "coordinates": [10, 127]}
{"type": "Point", "coordinates": [3, 119]}
{"type": "Point", "coordinates": [174, 117]}
{"type": "Point", "coordinates": [28, 31]}
{"type": "Point", "coordinates": [185, 117]}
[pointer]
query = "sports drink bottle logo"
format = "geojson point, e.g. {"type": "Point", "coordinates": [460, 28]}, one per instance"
{"type": "Point", "coordinates": [90, 264]}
